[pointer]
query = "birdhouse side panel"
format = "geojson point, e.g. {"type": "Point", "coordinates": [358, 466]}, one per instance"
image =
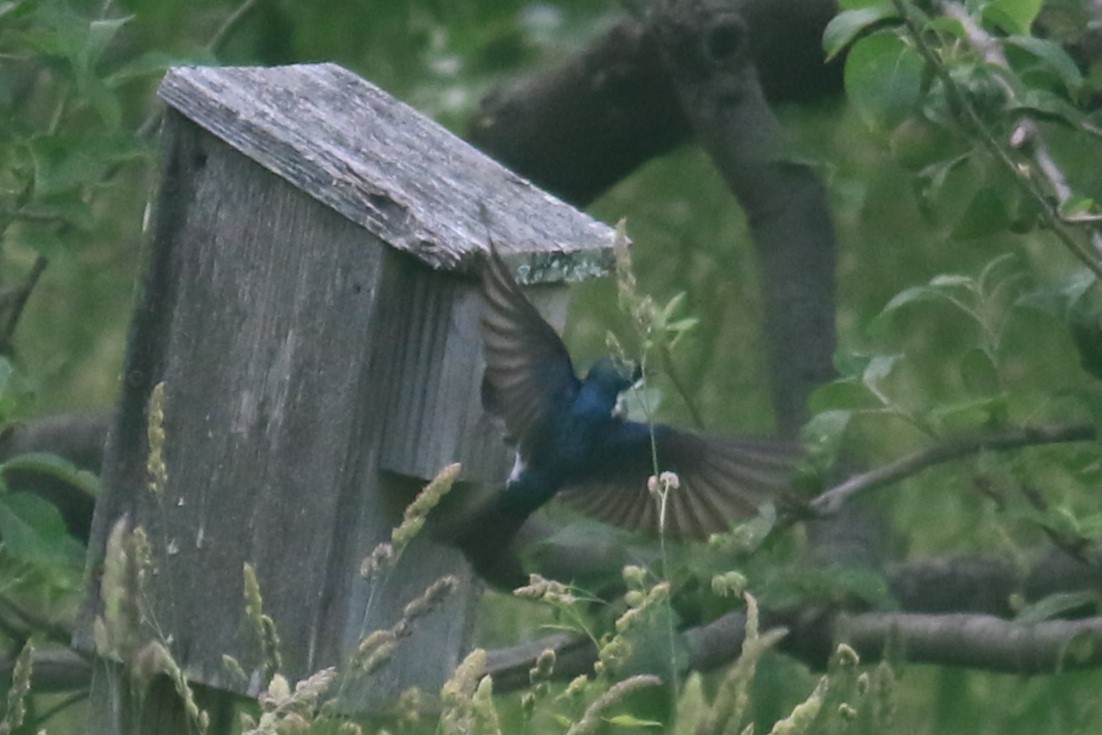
{"type": "Point", "coordinates": [436, 415]}
{"type": "Point", "coordinates": [266, 413]}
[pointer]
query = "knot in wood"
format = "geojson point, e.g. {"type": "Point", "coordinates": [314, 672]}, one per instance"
{"type": "Point", "coordinates": [701, 39]}
{"type": "Point", "coordinates": [725, 41]}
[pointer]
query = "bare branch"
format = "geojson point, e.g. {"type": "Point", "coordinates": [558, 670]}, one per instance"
{"type": "Point", "coordinates": [78, 437]}
{"type": "Point", "coordinates": [578, 128]}
{"type": "Point", "coordinates": [979, 641]}
{"type": "Point", "coordinates": [833, 499]}
{"type": "Point", "coordinates": [955, 639]}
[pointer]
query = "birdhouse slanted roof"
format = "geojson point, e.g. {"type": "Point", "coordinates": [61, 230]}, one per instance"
{"type": "Point", "coordinates": [388, 168]}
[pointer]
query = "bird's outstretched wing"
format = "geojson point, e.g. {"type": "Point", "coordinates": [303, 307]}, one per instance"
{"type": "Point", "coordinates": [529, 376]}
{"type": "Point", "coordinates": [722, 480]}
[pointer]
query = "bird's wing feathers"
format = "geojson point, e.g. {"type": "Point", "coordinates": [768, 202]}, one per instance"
{"type": "Point", "coordinates": [529, 374]}
{"type": "Point", "coordinates": [722, 479]}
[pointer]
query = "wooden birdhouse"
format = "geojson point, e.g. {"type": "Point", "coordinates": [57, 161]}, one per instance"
{"type": "Point", "coordinates": [310, 309]}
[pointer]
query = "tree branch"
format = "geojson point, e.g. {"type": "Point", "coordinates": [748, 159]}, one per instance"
{"type": "Point", "coordinates": [956, 639]}
{"type": "Point", "coordinates": [54, 670]}
{"type": "Point", "coordinates": [833, 499]}
{"type": "Point", "coordinates": [580, 127]}
{"type": "Point", "coordinates": [708, 50]}
{"type": "Point", "coordinates": [78, 437]}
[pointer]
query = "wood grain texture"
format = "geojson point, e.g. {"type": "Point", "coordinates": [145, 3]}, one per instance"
{"type": "Point", "coordinates": [260, 315]}
{"type": "Point", "coordinates": [388, 168]}
{"type": "Point", "coordinates": [434, 415]}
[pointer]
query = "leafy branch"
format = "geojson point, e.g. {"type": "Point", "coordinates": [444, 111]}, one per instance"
{"type": "Point", "coordinates": [1042, 180]}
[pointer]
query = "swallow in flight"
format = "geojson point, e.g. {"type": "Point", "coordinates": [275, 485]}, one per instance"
{"type": "Point", "coordinates": [572, 443]}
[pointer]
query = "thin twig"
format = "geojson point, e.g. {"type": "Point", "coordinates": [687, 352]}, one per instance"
{"type": "Point", "coordinates": [19, 303]}
{"type": "Point", "coordinates": [833, 499]}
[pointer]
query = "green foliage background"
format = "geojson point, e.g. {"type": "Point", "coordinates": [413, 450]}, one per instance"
{"type": "Point", "coordinates": [77, 82]}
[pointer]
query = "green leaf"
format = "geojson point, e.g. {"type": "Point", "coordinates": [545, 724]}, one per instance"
{"type": "Point", "coordinates": [1013, 16]}
{"type": "Point", "coordinates": [33, 530]}
{"type": "Point", "coordinates": [945, 25]}
{"type": "Point", "coordinates": [683, 325]}
{"type": "Point", "coordinates": [11, 8]}
{"type": "Point", "coordinates": [982, 412]}
{"type": "Point", "coordinates": [847, 393]}
{"type": "Point", "coordinates": [824, 433]}
{"type": "Point", "coordinates": [70, 210]}
{"type": "Point", "coordinates": [1091, 526]}
{"type": "Point", "coordinates": [978, 372]}
{"type": "Point", "coordinates": [671, 306]}
{"type": "Point", "coordinates": [1054, 57]}
{"type": "Point", "coordinates": [986, 214]}
{"type": "Point", "coordinates": [62, 164]}
{"type": "Point", "coordinates": [13, 389]}
{"type": "Point", "coordinates": [917, 143]}
{"type": "Point", "coordinates": [952, 280]}
{"type": "Point", "coordinates": [879, 368]}
{"type": "Point", "coordinates": [1057, 299]}
{"type": "Point", "coordinates": [100, 35]}
{"type": "Point", "coordinates": [630, 721]}
{"type": "Point", "coordinates": [883, 79]}
{"type": "Point", "coordinates": [1086, 332]}
{"type": "Point", "coordinates": [858, 4]}
{"type": "Point", "coordinates": [846, 26]}
{"type": "Point", "coordinates": [59, 468]}
{"type": "Point", "coordinates": [1057, 605]}
{"type": "Point", "coordinates": [105, 102]}
{"type": "Point", "coordinates": [1045, 104]}
{"type": "Point", "coordinates": [46, 241]}
{"type": "Point", "coordinates": [991, 277]}
{"type": "Point", "coordinates": [851, 364]}
{"type": "Point", "coordinates": [64, 33]}
{"type": "Point", "coordinates": [1088, 400]}
{"type": "Point", "coordinates": [1057, 520]}
{"type": "Point", "coordinates": [66, 163]}
{"type": "Point", "coordinates": [910, 295]}
{"type": "Point", "coordinates": [1078, 207]}
{"type": "Point", "coordinates": [5, 375]}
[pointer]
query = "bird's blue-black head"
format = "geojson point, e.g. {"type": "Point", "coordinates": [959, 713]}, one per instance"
{"type": "Point", "coordinates": [612, 376]}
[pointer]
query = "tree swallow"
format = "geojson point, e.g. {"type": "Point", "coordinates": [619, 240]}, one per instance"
{"type": "Point", "coordinates": [571, 442]}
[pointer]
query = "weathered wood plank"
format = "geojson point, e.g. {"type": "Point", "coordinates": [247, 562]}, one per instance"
{"type": "Point", "coordinates": [261, 318]}
{"type": "Point", "coordinates": [433, 414]}
{"type": "Point", "coordinates": [388, 168]}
